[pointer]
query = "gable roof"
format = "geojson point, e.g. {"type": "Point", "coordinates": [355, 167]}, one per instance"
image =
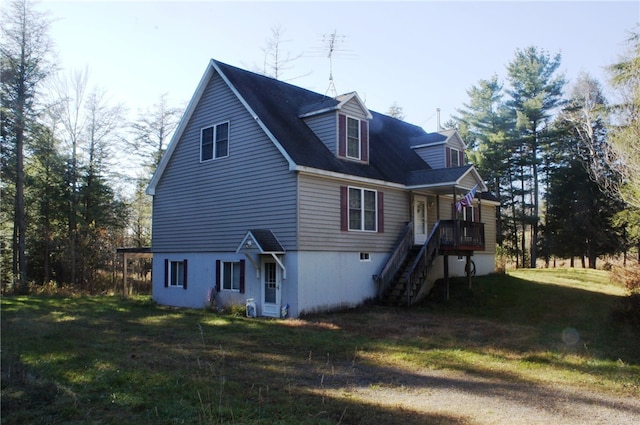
{"type": "Point", "coordinates": [444, 177]}
{"type": "Point", "coordinates": [279, 108]}
{"type": "Point", "coordinates": [262, 240]}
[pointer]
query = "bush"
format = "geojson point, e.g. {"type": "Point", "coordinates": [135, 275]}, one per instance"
{"type": "Point", "coordinates": [627, 276]}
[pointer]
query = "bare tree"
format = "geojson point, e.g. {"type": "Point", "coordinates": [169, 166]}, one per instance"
{"type": "Point", "coordinates": [25, 50]}
{"type": "Point", "coordinates": [396, 111]}
{"type": "Point", "coordinates": [276, 61]}
{"type": "Point", "coordinates": [152, 131]}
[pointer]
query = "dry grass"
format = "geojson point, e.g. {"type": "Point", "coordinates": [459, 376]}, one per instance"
{"type": "Point", "coordinates": [514, 343]}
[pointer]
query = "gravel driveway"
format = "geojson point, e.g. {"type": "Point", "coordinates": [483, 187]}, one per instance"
{"type": "Point", "coordinates": [468, 399]}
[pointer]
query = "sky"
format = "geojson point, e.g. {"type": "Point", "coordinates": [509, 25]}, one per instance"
{"type": "Point", "coordinates": [419, 55]}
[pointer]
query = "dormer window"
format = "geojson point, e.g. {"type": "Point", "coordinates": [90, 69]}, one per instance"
{"type": "Point", "coordinates": [455, 157]}
{"type": "Point", "coordinates": [353, 138]}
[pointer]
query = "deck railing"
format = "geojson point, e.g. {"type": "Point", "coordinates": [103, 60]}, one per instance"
{"type": "Point", "coordinates": [461, 235]}
{"type": "Point", "coordinates": [417, 273]}
{"type": "Point", "coordinates": [390, 269]}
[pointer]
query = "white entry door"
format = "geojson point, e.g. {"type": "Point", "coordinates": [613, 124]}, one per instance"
{"type": "Point", "coordinates": [271, 282]}
{"type": "Point", "coordinates": [419, 220]}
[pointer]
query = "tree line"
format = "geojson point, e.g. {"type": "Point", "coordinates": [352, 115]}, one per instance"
{"type": "Point", "coordinates": [562, 160]}
{"type": "Point", "coordinates": [64, 210]}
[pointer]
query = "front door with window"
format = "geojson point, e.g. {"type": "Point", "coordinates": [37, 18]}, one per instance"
{"type": "Point", "coordinates": [420, 220]}
{"type": "Point", "coordinates": [271, 282]}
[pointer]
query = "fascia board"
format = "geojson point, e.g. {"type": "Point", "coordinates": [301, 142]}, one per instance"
{"type": "Point", "coordinates": [318, 112]}
{"type": "Point", "coordinates": [347, 177]}
{"type": "Point", "coordinates": [427, 145]}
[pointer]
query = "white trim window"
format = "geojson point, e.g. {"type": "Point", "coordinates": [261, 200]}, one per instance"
{"type": "Point", "coordinates": [353, 138]}
{"type": "Point", "coordinates": [214, 142]}
{"type": "Point", "coordinates": [363, 209]}
{"type": "Point", "coordinates": [231, 276]}
{"type": "Point", "coordinates": [454, 157]}
{"type": "Point", "coordinates": [176, 274]}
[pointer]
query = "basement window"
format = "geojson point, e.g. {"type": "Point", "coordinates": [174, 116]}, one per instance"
{"type": "Point", "coordinates": [365, 256]}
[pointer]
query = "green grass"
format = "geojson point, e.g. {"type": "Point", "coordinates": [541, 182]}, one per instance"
{"type": "Point", "coordinates": [104, 360]}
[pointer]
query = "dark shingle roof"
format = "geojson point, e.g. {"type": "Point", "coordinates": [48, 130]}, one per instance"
{"type": "Point", "coordinates": [279, 106]}
{"type": "Point", "coordinates": [267, 240]}
{"type": "Point", "coordinates": [436, 176]}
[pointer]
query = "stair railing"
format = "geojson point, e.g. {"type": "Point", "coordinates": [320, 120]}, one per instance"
{"type": "Point", "coordinates": [417, 273]}
{"type": "Point", "coordinates": [393, 264]}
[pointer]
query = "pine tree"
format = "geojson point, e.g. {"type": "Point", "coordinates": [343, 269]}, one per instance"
{"type": "Point", "coordinates": [24, 54]}
{"type": "Point", "coordinates": [535, 93]}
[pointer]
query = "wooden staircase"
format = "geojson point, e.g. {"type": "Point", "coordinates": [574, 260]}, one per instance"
{"type": "Point", "coordinates": [397, 292]}
{"type": "Point", "coordinates": [402, 286]}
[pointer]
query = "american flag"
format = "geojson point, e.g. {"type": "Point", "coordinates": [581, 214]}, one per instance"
{"type": "Point", "coordinates": [468, 198]}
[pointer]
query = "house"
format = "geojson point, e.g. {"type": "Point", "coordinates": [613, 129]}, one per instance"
{"type": "Point", "coordinates": [303, 203]}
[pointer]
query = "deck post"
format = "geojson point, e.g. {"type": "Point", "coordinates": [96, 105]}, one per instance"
{"type": "Point", "coordinates": [124, 274]}
{"type": "Point", "coordinates": [468, 270]}
{"type": "Point", "coordinates": [446, 275]}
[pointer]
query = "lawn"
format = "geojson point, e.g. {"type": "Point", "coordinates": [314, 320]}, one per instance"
{"type": "Point", "coordinates": [105, 360]}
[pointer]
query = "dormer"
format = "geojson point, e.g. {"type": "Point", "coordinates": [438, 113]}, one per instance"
{"type": "Point", "coordinates": [342, 124]}
{"type": "Point", "coordinates": [442, 149]}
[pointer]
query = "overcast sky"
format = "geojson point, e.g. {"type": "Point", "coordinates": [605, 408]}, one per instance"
{"type": "Point", "coordinates": [421, 55]}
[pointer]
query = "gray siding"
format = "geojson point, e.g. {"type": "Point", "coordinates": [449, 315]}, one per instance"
{"type": "Point", "coordinates": [353, 109]}
{"type": "Point", "coordinates": [209, 206]}
{"type": "Point", "coordinates": [319, 203]}
{"type": "Point", "coordinates": [433, 155]}
{"type": "Point", "coordinates": [468, 181]}
{"type": "Point", "coordinates": [325, 126]}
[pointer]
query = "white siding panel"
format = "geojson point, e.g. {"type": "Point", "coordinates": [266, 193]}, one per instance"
{"type": "Point", "coordinates": [209, 206]}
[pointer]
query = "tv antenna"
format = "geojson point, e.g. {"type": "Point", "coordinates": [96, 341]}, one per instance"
{"type": "Point", "coordinates": [332, 45]}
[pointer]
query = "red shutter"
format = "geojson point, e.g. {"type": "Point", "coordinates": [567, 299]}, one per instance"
{"type": "Point", "coordinates": [364, 139]}
{"type": "Point", "coordinates": [342, 135]}
{"type": "Point", "coordinates": [476, 213]}
{"type": "Point", "coordinates": [242, 276]}
{"type": "Point", "coordinates": [380, 212]}
{"type": "Point", "coordinates": [344, 209]}
{"type": "Point", "coordinates": [166, 272]}
{"type": "Point", "coordinates": [184, 277]}
{"type": "Point", "coordinates": [447, 159]}
{"type": "Point", "coordinates": [460, 158]}
{"type": "Point", "coordinates": [218, 275]}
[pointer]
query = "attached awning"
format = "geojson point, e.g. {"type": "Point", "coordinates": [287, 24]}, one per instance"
{"type": "Point", "coordinates": [262, 242]}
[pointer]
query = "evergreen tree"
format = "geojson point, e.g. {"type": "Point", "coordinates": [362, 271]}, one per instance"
{"type": "Point", "coordinates": [625, 134]}
{"type": "Point", "coordinates": [484, 123]}
{"type": "Point", "coordinates": [579, 214]}
{"type": "Point", "coordinates": [535, 93]}
{"type": "Point", "coordinates": [24, 54]}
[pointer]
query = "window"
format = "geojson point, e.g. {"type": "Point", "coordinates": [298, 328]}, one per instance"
{"type": "Point", "coordinates": [365, 256]}
{"type": "Point", "coordinates": [175, 273]}
{"type": "Point", "coordinates": [231, 275]}
{"type": "Point", "coordinates": [454, 157]}
{"type": "Point", "coordinates": [353, 138]}
{"type": "Point", "coordinates": [214, 142]}
{"type": "Point", "coordinates": [362, 209]}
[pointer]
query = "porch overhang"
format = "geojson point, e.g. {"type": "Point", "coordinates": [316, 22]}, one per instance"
{"type": "Point", "coordinates": [445, 180]}
{"type": "Point", "coordinates": [262, 242]}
